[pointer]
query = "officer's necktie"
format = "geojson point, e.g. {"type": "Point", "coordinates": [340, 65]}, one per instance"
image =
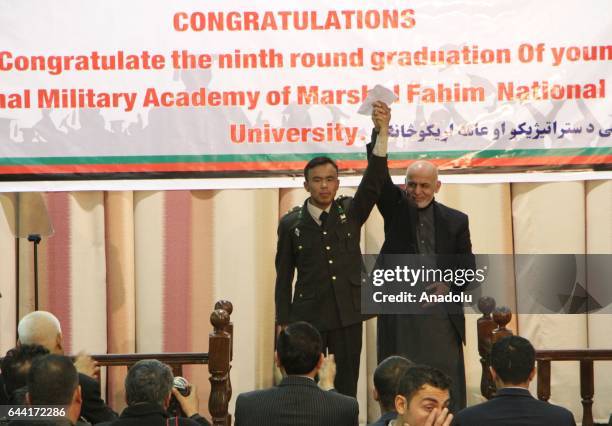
{"type": "Point", "coordinates": [323, 218]}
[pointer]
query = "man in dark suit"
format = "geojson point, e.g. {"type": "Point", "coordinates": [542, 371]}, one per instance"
{"type": "Point", "coordinates": [415, 222]}
{"type": "Point", "coordinates": [321, 240]}
{"type": "Point", "coordinates": [15, 367]}
{"type": "Point", "coordinates": [386, 381]}
{"type": "Point", "coordinates": [3, 394]}
{"type": "Point", "coordinates": [512, 368]}
{"type": "Point", "coordinates": [148, 390]}
{"type": "Point", "coordinates": [297, 400]}
{"type": "Point", "coordinates": [43, 328]}
{"type": "Point", "coordinates": [52, 380]}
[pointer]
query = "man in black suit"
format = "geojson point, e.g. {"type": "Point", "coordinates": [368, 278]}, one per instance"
{"type": "Point", "coordinates": [52, 380]}
{"type": "Point", "coordinates": [43, 328]}
{"type": "Point", "coordinates": [386, 381]}
{"type": "Point", "coordinates": [15, 367]}
{"type": "Point", "coordinates": [148, 390]}
{"type": "Point", "coordinates": [415, 222]}
{"type": "Point", "coordinates": [320, 240]}
{"type": "Point", "coordinates": [297, 400]}
{"type": "Point", "coordinates": [3, 394]}
{"type": "Point", "coordinates": [512, 368]}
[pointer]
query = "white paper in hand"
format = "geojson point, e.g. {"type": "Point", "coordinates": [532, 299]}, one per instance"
{"type": "Point", "coordinates": [378, 93]}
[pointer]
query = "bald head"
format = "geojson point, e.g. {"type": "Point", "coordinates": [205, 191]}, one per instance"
{"type": "Point", "coordinates": [422, 182]}
{"type": "Point", "coordinates": [41, 328]}
{"type": "Point", "coordinates": [423, 168]}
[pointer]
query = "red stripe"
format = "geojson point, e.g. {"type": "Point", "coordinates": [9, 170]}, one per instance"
{"type": "Point", "coordinates": [58, 264]}
{"type": "Point", "coordinates": [177, 272]}
{"type": "Point", "coordinates": [161, 167]}
{"type": "Point", "coordinates": [298, 165]}
{"type": "Point", "coordinates": [541, 161]}
{"type": "Point", "coordinates": [449, 164]}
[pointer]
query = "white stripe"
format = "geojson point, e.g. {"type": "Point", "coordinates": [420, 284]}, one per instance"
{"type": "Point", "coordinates": [7, 278]}
{"type": "Point", "coordinates": [87, 272]}
{"type": "Point", "coordinates": [149, 233]}
{"type": "Point", "coordinates": [244, 274]}
{"type": "Point", "coordinates": [279, 182]}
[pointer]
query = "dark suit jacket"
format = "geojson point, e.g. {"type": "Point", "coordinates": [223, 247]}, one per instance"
{"type": "Point", "coordinates": [297, 401]}
{"type": "Point", "coordinates": [94, 410]}
{"type": "Point", "coordinates": [328, 262]}
{"type": "Point", "coordinates": [54, 422]}
{"type": "Point", "coordinates": [514, 407]}
{"type": "Point", "coordinates": [3, 395]}
{"type": "Point", "coordinates": [400, 217]}
{"type": "Point", "coordinates": [152, 415]}
{"type": "Point", "coordinates": [384, 419]}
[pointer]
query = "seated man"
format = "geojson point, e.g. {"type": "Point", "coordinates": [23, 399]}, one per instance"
{"type": "Point", "coordinates": [512, 368]}
{"type": "Point", "coordinates": [422, 399]}
{"type": "Point", "coordinates": [43, 328]}
{"type": "Point", "coordinates": [148, 389]}
{"type": "Point", "coordinates": [3, 395]}
{"type": "Point", "coordinates": [54, 381]}
{"type": "Point", "coordinates": [386, 380]}
{"type": "Point", "coordinates": [297, 400]}
{"type": "Point", "coordinates": [15, 367]}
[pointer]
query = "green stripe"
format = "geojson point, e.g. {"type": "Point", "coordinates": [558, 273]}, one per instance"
{"type": "Point", "coordinates": [239, 158]}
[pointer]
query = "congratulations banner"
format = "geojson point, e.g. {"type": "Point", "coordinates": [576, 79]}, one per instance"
{"type": "Point", "coordinates": [142, 88]}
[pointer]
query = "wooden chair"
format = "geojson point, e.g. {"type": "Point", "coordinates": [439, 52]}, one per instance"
{"type": "Point", "coordinates": [490, 329]}
{"type": "Point", "coordinates": [218, 358]}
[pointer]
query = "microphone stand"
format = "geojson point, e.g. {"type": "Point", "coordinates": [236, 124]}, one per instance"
{"type": "Point", "coordinates": [35, 238]}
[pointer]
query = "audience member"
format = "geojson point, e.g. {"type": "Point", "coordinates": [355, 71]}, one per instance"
{"type": "Point", "coordinates": [512, 368]}
{"type": "Point", "coordinates": [53, 382]}
{"type": "Point", "coordinates": [148, 389]}
{"type": "Point", "coordinates": [43, 328]}
{"type": "Point", "coordinates": [386, 380]}
{"type": "Point", "coordinates": [297, 400]}
{"type": "Point", "coordinates": [15, 367]}
{"type": "Point", "coordinates": [422, 399]}
{"type": "Point", "coordinates": [3, 395]}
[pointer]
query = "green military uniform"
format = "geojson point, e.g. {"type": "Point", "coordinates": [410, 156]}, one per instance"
{"type": "Point", "coordinates": [328, 262]}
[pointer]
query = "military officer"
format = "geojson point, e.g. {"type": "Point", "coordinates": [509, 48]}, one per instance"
{"type": "Point", "coordinates": [321, 240]}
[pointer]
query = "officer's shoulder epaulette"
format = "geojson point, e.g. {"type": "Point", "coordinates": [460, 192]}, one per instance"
{"type": "Point", "coordinates": [292, 214]}
{"type": "Point", "coordinates": [291, 218]}
{"type": "Point", "coordinates": [344, 200]}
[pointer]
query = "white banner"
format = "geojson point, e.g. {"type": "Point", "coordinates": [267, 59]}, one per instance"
{"type": "Point", "coordinates": [139, 88]}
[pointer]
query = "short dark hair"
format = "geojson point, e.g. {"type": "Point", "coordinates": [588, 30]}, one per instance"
{"type": "Point", "coordinates": [318, 161]}
{"type": "Point", "coordinates": [299, 348]}
{"type": "Point", "coordinates": [418, 376]}
{"type": "Point", "coordinates": [387, 376]}
{"type": "Point", "coordinates": [52, 380]}
{"type": "Point", "coordinates": [17, 363]}
{"type": "Point", "coordinates": [513, 359]}
{"type": "Point", "coordinates": [149, 380]}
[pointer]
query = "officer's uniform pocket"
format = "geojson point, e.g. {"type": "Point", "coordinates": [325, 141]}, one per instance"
{"type": "Point", "coordinates": [304, 306]}
{"type": "Point", "coordinates": [348, 240]}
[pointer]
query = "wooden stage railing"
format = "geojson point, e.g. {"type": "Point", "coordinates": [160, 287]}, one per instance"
{"type": "Point", "coordinates": [586, 357]}
{"type": "Point", "coordinates": [491, 327]}
{"type": "Point", "coordinates": [218, 358]}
